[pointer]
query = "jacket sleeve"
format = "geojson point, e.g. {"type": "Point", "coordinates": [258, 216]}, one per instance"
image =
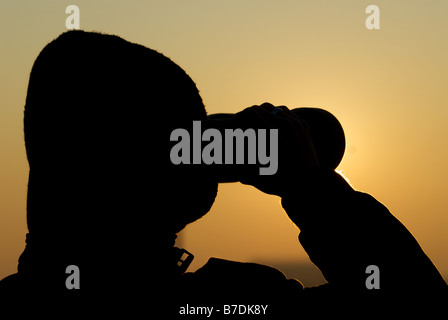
{"type": "Point", "coordinates": [345, 231]}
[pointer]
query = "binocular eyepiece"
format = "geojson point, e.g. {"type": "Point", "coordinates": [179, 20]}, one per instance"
{"type": "Point", "coordinates": [326, 133]}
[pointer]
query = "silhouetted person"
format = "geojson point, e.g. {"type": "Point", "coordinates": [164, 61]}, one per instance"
{"type": "Point", "coordinates": [103, 195]}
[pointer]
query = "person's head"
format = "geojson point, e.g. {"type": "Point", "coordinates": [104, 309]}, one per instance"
{"type": "Point", "coordinates": [98, 117]}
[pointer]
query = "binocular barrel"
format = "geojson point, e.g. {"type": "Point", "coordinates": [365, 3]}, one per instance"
{"type": "Point", "coordinates": [326, 133]}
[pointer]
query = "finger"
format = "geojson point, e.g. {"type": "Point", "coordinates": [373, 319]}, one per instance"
{"type": "Point", "coordinates": [256, 117]}
{"type": "Point", "coordinates": [267, 106]}
{"type": "Point", "coordinates": [297, 130]}
{"type": "Point", "coordinates": [283, 108]}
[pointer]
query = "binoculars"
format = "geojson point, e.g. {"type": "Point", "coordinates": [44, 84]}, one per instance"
{"type": "Point", "coordinates": [326, 133]}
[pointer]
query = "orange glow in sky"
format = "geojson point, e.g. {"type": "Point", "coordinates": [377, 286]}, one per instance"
{"type": "Point", "coordinates": [387, 87]}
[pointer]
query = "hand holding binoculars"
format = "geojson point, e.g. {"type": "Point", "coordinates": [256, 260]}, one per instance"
{"type": "Point", "coordinates": [325, 132]}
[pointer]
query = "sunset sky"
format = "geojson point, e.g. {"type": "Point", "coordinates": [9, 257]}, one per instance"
{"type": "Point", "coordinates": [387, 87]}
